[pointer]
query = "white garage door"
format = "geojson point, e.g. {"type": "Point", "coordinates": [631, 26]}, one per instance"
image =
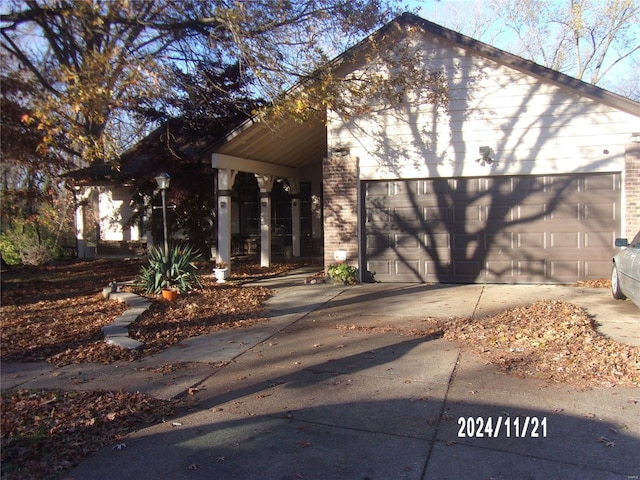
{"type": "Point", "coordinates": [518, 229]}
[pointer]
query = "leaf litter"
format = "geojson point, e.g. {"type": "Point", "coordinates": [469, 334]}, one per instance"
{"type": "Point", "coordinates": [54, 314]}
{"type": "Point", "coordinates": [551, 340]}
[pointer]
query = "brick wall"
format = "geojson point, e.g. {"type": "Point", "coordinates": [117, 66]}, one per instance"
{"type": "Point", "coordinates": [340, 209]}
{"type": "Point", "coordinates": [632, 188]}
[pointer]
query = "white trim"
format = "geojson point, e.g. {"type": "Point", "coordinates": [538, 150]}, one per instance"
{"type": "Point", "coordinates": [221, 160]}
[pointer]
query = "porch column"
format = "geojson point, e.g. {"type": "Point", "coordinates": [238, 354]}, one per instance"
{"type": "Point", "coordinates": [226, 178]}
{"type": "Point", "coordinates": [265, 182]}
{"type": "Point", "coordinates": [81, 195]}
{"type": "Point", "coordinates": [295, 216]}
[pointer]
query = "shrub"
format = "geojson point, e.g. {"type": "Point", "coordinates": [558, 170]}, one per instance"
{"type": "Point", "coordinates": [178, 270]}
{"type": "Point", "coordinates": [27, 245]}
{"type": "Point", "coordinates": [344, 273]}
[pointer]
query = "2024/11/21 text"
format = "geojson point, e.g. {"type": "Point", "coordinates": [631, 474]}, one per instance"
{"type": "Point", "coordinates": [508, 427]}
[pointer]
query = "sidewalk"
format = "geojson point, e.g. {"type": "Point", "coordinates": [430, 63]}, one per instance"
{"type": "Point", "coordinates": [319, 392]}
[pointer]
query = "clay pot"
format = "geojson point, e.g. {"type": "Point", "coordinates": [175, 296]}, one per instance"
{"type": "Point", "coordinates": [169, 294]}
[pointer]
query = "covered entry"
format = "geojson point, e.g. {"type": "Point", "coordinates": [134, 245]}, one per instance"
{"type": "Point", "coordinates": [288, 154]}
{"type": "Point", "coordinates": [512, 229]}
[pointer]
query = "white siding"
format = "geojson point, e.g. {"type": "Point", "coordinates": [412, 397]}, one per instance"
{"type": "Point", "coordinates": [532, 126]}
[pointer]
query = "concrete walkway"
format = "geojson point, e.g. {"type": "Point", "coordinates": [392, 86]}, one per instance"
{"type": "Point", "coordinates": [319, 392]}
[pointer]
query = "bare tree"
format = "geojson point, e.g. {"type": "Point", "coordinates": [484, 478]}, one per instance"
{"type": "Point", "coordinates": [591, 40]}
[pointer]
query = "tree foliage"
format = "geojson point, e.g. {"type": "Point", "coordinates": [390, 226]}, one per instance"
{"type": "Point", "coordinates": [88, 61]}
{"type": "Point", "coordinates": [92, 61]}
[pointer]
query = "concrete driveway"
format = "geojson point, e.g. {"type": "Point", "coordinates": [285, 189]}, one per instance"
{"type": "Point", "coordinates": [319, 392]}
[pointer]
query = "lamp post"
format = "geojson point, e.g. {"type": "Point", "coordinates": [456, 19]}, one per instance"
{"type": "Point", "coordinates": [163, 181]}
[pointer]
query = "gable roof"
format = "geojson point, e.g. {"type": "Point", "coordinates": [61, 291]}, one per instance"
{"type": "Point", "coordinates": [255, 140]}
{"type": "Point", "coordinates": [521, 64]}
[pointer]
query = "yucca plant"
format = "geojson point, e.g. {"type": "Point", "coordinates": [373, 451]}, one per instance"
{"type": "Point", "coordinates": [177, 270]}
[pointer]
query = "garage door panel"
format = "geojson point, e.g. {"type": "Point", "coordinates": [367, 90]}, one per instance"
{"type": "Point", "coordinates": [563, 212]}
{"type": "Point", "coordinates": [561, 184]}
{"type": "Point", "coordinates": [503, 242]}
{"type": "Point", "coordinates": [600, 211]}
{"type": "Point", "coordinates": [562, 269]}
{"type": "Point", "coordinates": [435, 214]}
{"type": "Point", "coordinates": [378, 242]}
{"type": "Point", "coordinates": [496, 269]}
{"type": "Point", "coordinates": [605, 183]}
{"type": "Point", "coordinates": [436, 240]}
{"type": "Point", "coordinates": [536, 240]}
{"type": "Point", "coordinates": [408, 214]}
{"type": "Point", "coordinates": [377, 189]}
{"type": "Point", "coordinates": [404, 188]}
{"type": "Point", "coordinates": [596, 269]}
{"type": "Point", "coordinates": [466, 268]}
{"type": "Point", "coordinates": [531, 212]}
{"type": "Point", "coordinates": [471, 213]}
{"type": "Point", "coordinates": [380, 268]}
{"type": "Point", "coordinates": [501, 229]}
{"type": "Point", "coordinates": [599, 240]}
{"type": "Point", "coordinates": [462, 241]}
{"type": "Point", "coordinates": [407, 241]}
{"type": "Point", "coordinates": [524, 187]}
{"type": "Point", "coordinates": [378, 216]}
{"type": "Point", "coordinates": [433, 271]}
{"type": "Point", "coordinates": [530, 270]}
{"type": "Point", "coordinates": [463, 188]}
{"type": "Point", "coordinates": [564, 240]}
{"type": "Point", "coordinates": [498, 213]}
{"type": "Point", "coordinates": [407, 268]}
{"type": "Point", "coordinates": [434, 187]}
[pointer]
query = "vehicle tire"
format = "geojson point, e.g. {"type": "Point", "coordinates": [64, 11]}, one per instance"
{"type": "Point", "coordinates": [615, 284]}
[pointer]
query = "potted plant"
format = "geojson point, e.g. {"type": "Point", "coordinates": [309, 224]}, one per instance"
{"type": "Point", "coordinates": [175, 273]}
{"type": "Point", "coordinates": [170, 294]}
{"type": "Point", "coordinates": [220, 272]}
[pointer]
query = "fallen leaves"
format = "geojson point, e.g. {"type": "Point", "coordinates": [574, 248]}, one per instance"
{"type": "Point", "coordinates": [45, 432]}
{"type": "Point", "coordinates": [55, 314]}
{"type": "Point", "coordinates": [216, 307]}
{"type": "Point", "coordinates": [597, 283]}
{"type": "Point", "coordinates": [46, 319]}
{"type": "Point", "coordinates": [550, 340]}
{"type": "Point", "coordinates": [48, 330]}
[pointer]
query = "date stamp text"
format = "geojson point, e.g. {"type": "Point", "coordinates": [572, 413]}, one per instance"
{"type": "Point", "coordinates": [506, 427]}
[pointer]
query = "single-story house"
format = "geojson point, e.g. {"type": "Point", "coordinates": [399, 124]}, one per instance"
{"type": "Point", "coordinates": [523, 175]}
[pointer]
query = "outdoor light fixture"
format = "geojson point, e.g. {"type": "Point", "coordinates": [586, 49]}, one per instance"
{"type": "Point", "coordinates": [485, 156]}
{"type": "Point", "coordinates": [163, 181]}
{"type": "Point", "coordinates": [341, 151]}
{"type": "Point", "coordinates": [340, 256]}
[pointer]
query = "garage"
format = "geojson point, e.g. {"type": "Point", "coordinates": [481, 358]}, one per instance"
{"type": "Point", "coordinates": [494, 229]}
